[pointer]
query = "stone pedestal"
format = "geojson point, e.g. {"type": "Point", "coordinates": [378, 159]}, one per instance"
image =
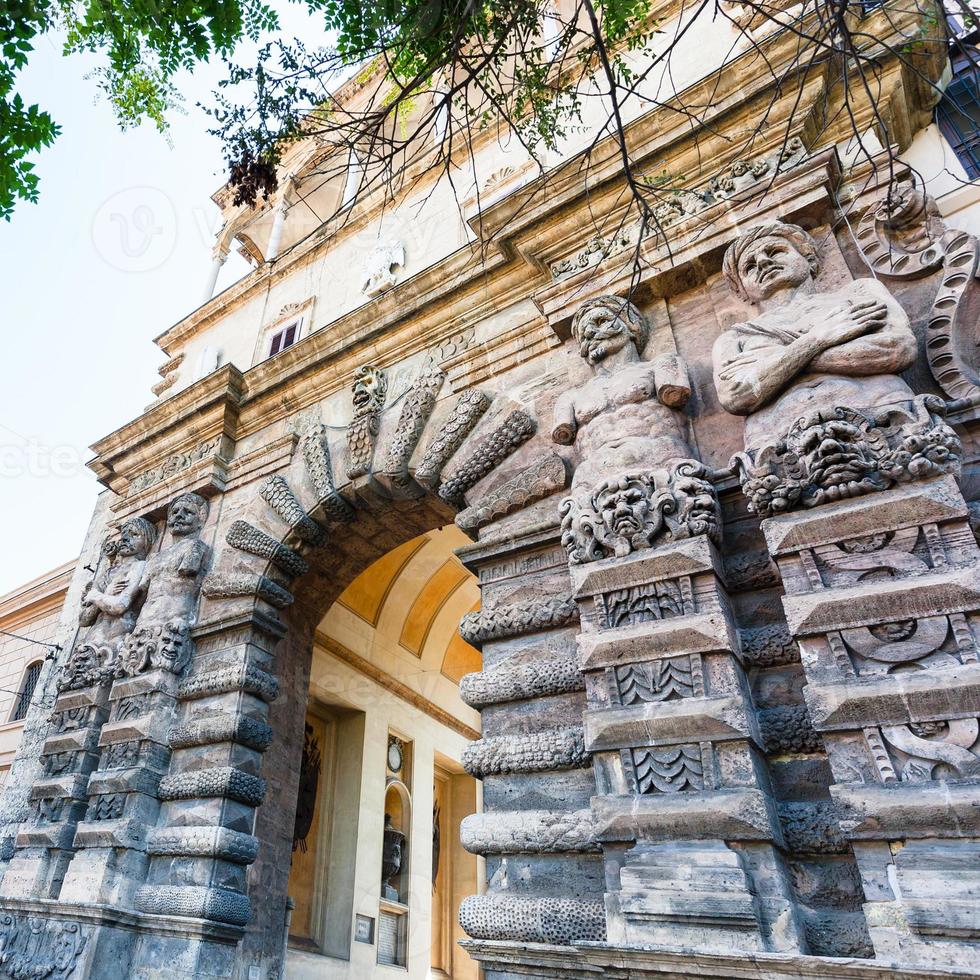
{"type": "Point", "coordinates": [683, 811]}
{"type": "Point", "coordinates": [883, 597]}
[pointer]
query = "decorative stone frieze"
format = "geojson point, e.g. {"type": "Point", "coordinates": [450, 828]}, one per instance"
{"type": "Point", "coordinates": [369, 392]}
{"type": "Point", "coordinates": [35, 948]}
{"type": "Point", "coordinates": [556, 921]}
{"type": "Point", "coordinates": [514, 618]}
{"type": "Point", "coordinates": [542, 478]}
{"type": "Point", "coordinates": [461, 421]}
{"type": "Point", "coordinates": [486, 454]}
{"type": "Point", "coordinates": [529, 832]}
{"type": "Point", "coordinates": [556, 748]}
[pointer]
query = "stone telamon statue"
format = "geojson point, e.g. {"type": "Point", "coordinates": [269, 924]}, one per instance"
{"type": "Point", "coordinates": [110, 605]}
{"type": "Point", "coordinates": [806, 350]}
{"type": "Point", "coordinates": [172, 584]}
{"type": "Point", "coordinates": [816, 374]}
{"type": "Point", "coordinates": [636, 480]}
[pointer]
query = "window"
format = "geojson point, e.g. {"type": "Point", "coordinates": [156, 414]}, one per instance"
{"type": "Point", "coordinates": [284, 337]}
{"type": "Point", "coordinates": [958, 115]}
{"type": "Point", "coordinates": [31, 676]}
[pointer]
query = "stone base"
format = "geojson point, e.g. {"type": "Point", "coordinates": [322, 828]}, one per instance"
{"type": "Point", "coordinates": [507, 960]}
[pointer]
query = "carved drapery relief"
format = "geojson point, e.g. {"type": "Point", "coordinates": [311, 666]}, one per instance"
{"type": "Point", "coordinates": [172, 583]}
{"type": "Point", "coordinates": [635, 482]}
{"type": "Point", "coordinates": [816, 374]}
{"type": "Point", "coordinates": [369, 392]}
{"type": "Point", "coordinates": [109, 606]}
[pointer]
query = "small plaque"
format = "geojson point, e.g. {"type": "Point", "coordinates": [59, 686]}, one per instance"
{"type": "Point", "coordinates": [364, 929]}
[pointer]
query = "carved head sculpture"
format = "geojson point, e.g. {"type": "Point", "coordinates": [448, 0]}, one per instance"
{"type": "Point", "coordinates": [628, 518]}
{"type": "Point", "coordinates": [835, 452]}
{"type": "Point", "coordinates": [187, 514]}
{"type": "Point", "coordinates": [697, 504]}
{"type": "Point", "coordinates": [606, 325]}
{"type": "Point", "coordinates": [369, 389]}
{"type": "Point", "coordinates": [136, 538]}
{"type": "Point", "coordinates": [769, 258]}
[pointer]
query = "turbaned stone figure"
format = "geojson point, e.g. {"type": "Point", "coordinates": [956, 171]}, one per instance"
{"type": "Point", "coordinates": [110, 605]}
{"type": "Point", "coordinates": [172, 585]}
{"type": "Point", "coordinates": [816, 375]}
{"type": "Point", "coordinates": [636, 480]}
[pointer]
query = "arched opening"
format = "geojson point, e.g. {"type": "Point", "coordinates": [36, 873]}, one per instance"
{"type": "Point", "coordinates": [27, 688]}
{"type": "Point", "coordinates": [377, 872]}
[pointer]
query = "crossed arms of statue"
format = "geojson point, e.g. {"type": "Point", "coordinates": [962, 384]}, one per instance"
{"type": "Point", "coordinates": [867, 333]}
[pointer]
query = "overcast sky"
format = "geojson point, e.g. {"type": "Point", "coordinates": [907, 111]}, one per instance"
{"type": "Point", "coordinates": [116, 251]}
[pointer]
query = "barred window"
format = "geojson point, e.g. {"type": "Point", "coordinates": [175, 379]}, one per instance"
{"type": "Point", "coordinates": [31, 676]}
{"type": "Point", "coordinates": [958, 113]}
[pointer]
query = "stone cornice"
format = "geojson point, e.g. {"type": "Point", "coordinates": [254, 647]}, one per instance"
{"type": "Point", "coordinates": [38, 597]}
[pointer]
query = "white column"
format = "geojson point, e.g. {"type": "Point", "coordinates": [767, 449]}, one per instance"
{"type": "Point", "coordinates": [278, 220]}
{"type": "Point", "coordinates": [220, 254]}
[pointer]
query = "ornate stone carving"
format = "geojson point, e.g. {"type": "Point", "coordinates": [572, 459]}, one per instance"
{"type": "Point", "coordinates": [243, 677]}
{"type": "Point", "coordinates": [932, 750]}
{"type": "Point", "coordinates": [369, 392]}
{"type": "Point", "coordinates": [233, 585]}
{"type": "Point", "coordinates": [769, 646]}
{"type": "Point", "coordinates": [487, 453]}
{"type": "Point", "coordinates": [840, 453]}
{"type": "Point", "coordinates": [216, 842]}
{"type": "Point", "coordinates": [902, 236]}
{"type": "Point", "coordinates": [277, 493]}
{"type": "Point", "coordinates": [514, 618]}
{"type": "Point", "coordinates": [172, 465]}
{"type": "Point", "coordinates": [39, 949]}
{"type": "Point", "coordinates": [316, 455]}
{"type": "Point", "coordinates": [656, 681]}
{"type": "Point", "coordinates": [807, 351]}
{"type": "Point", "coordinates": [467, 411]}
{"type": "Point", "coordinates": [529, 832]}
{"type": "Point", "coordinates": [557, 921]}
{"type": "Point", "coordinates": [554, 748]}
{"type": "Point", "coordinates": [172, 583]}
{"type": "Point", "coordinates": [788, 728]}
{"type": "Point", "coordinates": [812, 827]}
{"type": "Point", "coordinates": [596, 250]}
{"type": "Point", "coordinates": [416, 409]}
{"type": "Point", "coordinates": [645, 603]}
{"type": "Point", "coordinates": [671, 769]}
{"type": "Point", "coordinates": [226, 781]}
{"type": "Point", "coordinates": [636, 482]}
{"type": "Point", "coordinates": [379, 268]}
{"type": "Point", "coordinates": [195, 901]}
{"type": "Point", "coordinates": [519, 681]}
{"type": "Point", "coordinates": [109, 606]}
{"type": "Point", "coordinates": [542, 478]}
{"type": "Point", "coordinates": [106, 806]}
{"type": "Point", "coordinates": [245, 537]}
{"type": "Point", "coordinates": [225, 728]}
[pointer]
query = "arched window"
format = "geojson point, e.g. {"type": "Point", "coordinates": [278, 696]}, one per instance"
{"type": "Point", "coordinates": [353, 182]}
{"type": "Point", "coordinates": [27, 687]}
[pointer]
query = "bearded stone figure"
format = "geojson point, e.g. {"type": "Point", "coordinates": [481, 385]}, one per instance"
{"type": "Point", "coordinates": [635, 481]}
{"type": "Point", "coordinates": [368, 392]}
{"type": "Point", "coordinates": [110, 605]}
{"type": "Point", "coordinates": [816, 375]}
{"type": "Point", "coordinates": [172, 585]}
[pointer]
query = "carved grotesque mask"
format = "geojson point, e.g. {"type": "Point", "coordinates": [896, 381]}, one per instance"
{"type": "Point", "coordinates": [623, 507]}
{"type": "Point", "coordinates": [369, 389]}
{"type": "Point", "coordinates": [769, 264]}
{"type": "Point", "coordinates": [835, 453]}
{"type": "Point", "coordinates": [697, 510]}
{"type": "Point", "coordinates": [187, 514]}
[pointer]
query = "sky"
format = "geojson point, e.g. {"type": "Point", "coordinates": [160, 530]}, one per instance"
{"type": "Point", "coordinates": [116, 251]}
